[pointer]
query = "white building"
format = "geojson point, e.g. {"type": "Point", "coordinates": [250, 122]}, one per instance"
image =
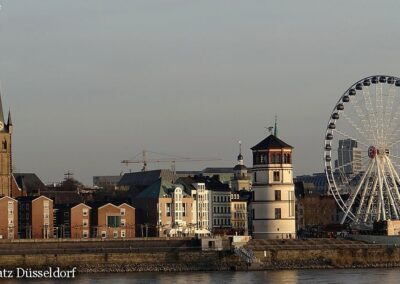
{"type": "Point", "coordinates": [273, 204]}
{"type": "Point", "coordinates": [201, 196]}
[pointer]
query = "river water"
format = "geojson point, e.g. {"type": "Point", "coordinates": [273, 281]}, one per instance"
{"type": "Point", "coordinates": [381, 276]}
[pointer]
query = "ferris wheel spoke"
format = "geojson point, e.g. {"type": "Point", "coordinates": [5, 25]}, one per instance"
{"type": "Point", "coordinates": [363, 133]}
{"type": "Point", "coordinates": [379, 111]}
{"type": "Point", "coordinates": [370, 113]}
{"type": "Point", "coordinates": [394, 143]}
{"type": "Point", "coordinates": [393, 156]}
{"type": "Point", "coordinates": [393, 133]}
{"type": "Point", "coordinates": [349, 163]}
{"type": "Point", "coordinates": [389, 110]}
{"type": "Point", "coordinates": [349, 136]}
{"type": "Point", "coordinates": [354, 194]}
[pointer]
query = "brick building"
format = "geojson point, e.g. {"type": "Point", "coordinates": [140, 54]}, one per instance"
{"type": "Point", "coordinates": [8, 218]}
{"type": "Point", "coordinates": [35, 217]}
{"type": "Point", "coordinates": [114, 222]}
{"type": "Point", "coordinates": [80, 221]}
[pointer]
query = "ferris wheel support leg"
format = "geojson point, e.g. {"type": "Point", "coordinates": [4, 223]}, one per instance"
{"type": "Point", "coordinates": [371, 199]}
{"type": "Point", "coordinates": [393, 173]}
{"type": "Point", "coordinates": [390, 196]}
{"type": "Point", "coordinates": [382, 209]}
{"type": "Point", "coordinates": [364, 192]}
{"type": "Point", "coordinates": [355, 194]}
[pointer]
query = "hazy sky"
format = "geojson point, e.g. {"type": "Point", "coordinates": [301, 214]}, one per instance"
{"type": "Point", "coordinates": [92, 82]}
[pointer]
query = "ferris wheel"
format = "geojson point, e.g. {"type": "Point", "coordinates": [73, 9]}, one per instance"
{"type": "Point", "coordinates": [362, 151]}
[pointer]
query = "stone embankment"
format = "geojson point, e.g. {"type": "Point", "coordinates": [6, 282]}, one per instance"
{"type": "Point", "coordinates": [186, 255]}
{"type": "Point", "coordinates": [321, 253]}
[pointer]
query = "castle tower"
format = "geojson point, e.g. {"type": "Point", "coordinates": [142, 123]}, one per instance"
{"type": "Point", "coordinates": [5, 153]}
{"type": "Point", "coordinates": [241, 180]}
{"type": "Point", "coordinates": [273, 205]}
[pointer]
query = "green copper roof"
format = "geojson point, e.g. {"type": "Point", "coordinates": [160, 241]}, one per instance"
{"type": "Point", "coordinates": [160, 188]}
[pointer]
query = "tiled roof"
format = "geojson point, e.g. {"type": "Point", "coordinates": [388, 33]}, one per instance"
{"type": "Point", "coordinates": [161, 188]}
{"type": "Point", "coordinates": [271, 142]}
{"type": "Point", "coordinates": [145, 178]}
{"type": "Point", "coordinates": [221, 170]}
{"type": "Point", "coordinates": [29, 182]}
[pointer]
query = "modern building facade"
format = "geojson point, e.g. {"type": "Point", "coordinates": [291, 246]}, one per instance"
{"type": "Point", "coordinates": [273, 204]}
{"type": "Point", "coordinates": [349, 157]}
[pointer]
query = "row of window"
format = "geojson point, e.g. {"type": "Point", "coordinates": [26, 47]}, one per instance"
{"type": "Point", "coordinates": [220, 222]}
{"type": "Point", "coordinates": [113, 221]}
{"type": "Point", "coordinates": [115, 234]}
{"type": "Point", "coordinates": [177, 208]}
{"type": "Point", "coordinates": [221, 198]}
{"type": "Point", "coordinates": [223, 209]}
{"type": "Point", "coordinates": [239, 206]}
{"type": "Point", "coordinates": [272, 158]}
{"type": "Point", "coordinates": [239, 224]}
{"type": "Point", "coordinates": [237, 215]}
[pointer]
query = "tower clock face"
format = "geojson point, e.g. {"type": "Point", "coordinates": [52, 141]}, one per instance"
{"type": "Point", "coordinates": [1, 125]}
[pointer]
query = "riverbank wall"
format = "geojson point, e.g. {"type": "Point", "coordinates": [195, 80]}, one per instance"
{"type": "Point", "coordinates": [186, 255]}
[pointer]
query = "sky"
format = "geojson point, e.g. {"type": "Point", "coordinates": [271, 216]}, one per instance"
{"type": "Point", "coordinates": [90, 83]}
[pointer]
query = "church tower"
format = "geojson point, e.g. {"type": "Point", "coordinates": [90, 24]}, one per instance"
{"type": "Point", "coordinates": [5, 153]}
{"type": "Point", "coordinates": [273, 204]}
{"type": "Point", "coordinates": [241, 180]}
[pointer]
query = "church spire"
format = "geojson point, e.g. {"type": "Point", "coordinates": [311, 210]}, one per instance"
{"type": "Point", "coordinates": [240, 157]}
{"type": "Point", "coordinates": [276, 126]}
{"type": "Point", "coordinates": [1, 111]}
{"type": "Point", "coordinates": [9, 120]}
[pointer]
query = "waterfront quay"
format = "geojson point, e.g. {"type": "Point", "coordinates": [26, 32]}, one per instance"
{"type": "Point", "coordinates": [184, 254]}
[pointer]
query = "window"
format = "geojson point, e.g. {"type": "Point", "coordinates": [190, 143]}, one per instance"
{"type": "Point", "coordinates": [103, 234]}
{"type": "Point", "coordinates": [85, 222]}
{"type": "Point", "coordinates": [113, 221]}
{"type": "Point", "coordinates": [122, 211]}
{"type": "Point", "coordinates": [277, 176]}
{"type": "Point", "coordinates": [115, 234]}
{"type": "Point", "coordinates": [255, 176]}
{"type": "Point", "coordinates": [122, 222]}
{"type": "Point", "coordinates": [123, 234]}
{"type": "Point", "coordinates": [85, 211]}
{"type": "Point", "coordinates": [66, 214]}
{"type": "Point", "coordinates": [277, 213]}
{"type": "Point", "coordinates": [85, 234]}
{"type": "Point", "coordinates": [277, 195]}
{"type": "Point", "coordinates": [168, 209]}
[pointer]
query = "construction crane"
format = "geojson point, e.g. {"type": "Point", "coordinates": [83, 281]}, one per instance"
{"type": "Point", "coordinates": [145, 161]}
